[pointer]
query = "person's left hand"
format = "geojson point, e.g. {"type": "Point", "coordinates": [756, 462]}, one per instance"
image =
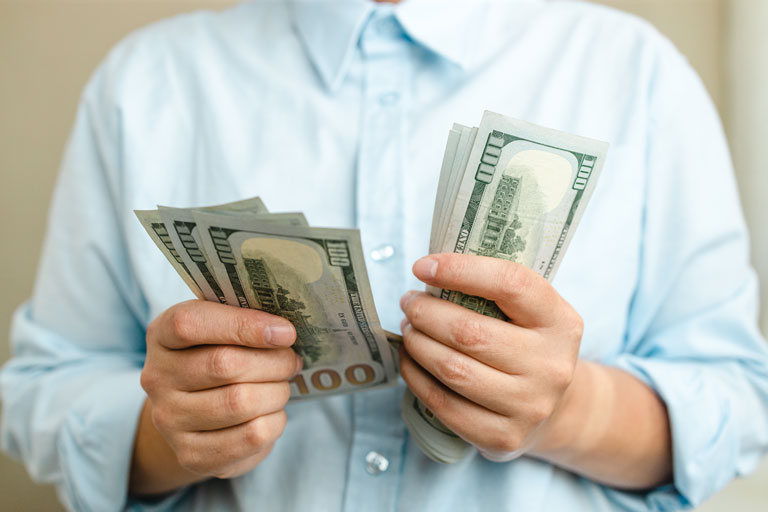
{"type": "Point", "coordinates": [495, 383]}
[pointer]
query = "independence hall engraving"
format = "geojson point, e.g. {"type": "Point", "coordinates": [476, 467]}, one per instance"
{"type": "Point", "coordinates": [274, 299]}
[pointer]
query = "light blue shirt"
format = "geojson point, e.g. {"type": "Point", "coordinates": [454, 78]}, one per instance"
{"type": "Point", "coordinates": [341, 110]}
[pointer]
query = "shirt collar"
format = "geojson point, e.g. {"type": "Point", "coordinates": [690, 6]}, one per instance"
{"type": "Point", "coordinates": [456, 30]}
{"type": "Point", "coordinates": [449, 28]}
{"type": "Point", "coordinates": [329, 30]}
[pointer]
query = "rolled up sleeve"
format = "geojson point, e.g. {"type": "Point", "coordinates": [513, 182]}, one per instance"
{"type": "Point", "coordinates": [71, 419]}
{"type": "Point", "coordinates": [693, 334]}
{"type": "Point", "coordinates": [71, 395]}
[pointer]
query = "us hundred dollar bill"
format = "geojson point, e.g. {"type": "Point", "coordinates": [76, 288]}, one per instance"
{"type": "Point", "coordinates": [155, 227]}
{"type": "Point", "coordinates": [316, 279]}
{"type": "Point", "coordinates": [185, 236]}
{"type": "Point", "coordinates": [519, 197]}
{"type": "Point", "coordinates": [178, 241]}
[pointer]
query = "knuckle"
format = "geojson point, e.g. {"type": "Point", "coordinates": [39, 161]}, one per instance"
{"type": "Point", "coordinates": [190, 460]}
{"type": "Point", "coordinates": [153, 331]}
{"type": "Point", "coordinates": [408, 340]}
{"type": "Point", "coordinates": [263, 431]}
{"type": "Point", "coordinates": [222, 363]}
{"type": "Point", "coordinates": [243, 330]}
{"type": "Point", "coordinates": [539, 412]}
{"type": "Point", "coordinates": [435, 399]}
{"type": "Point", "coordinates": [575, 327]}
{"type": "Point", "coordinates": [511, 280]}
{"type": "Point", "coordinates": [408, 335]}
{"type": "Point", "coordinates": [162, 419]}
{"type": "Point", "coordinates": [257, 433]}
{"type": "Point", "coordinates": [502, 441]}
{"type": "Point", "coordinates": [453, 369]}
{"type": "Point", "coordinates": [468, 330]}
{"type": "Point", "coordinates": [558, 374]}
{"type": "Point", "coordinates": [416, 310]}
{"type": "Point", "coordinates": [182, 323]}
{"type": "Point", "coordinates": [149, 380]}
{"type": "Point", "coordinates": [512, 444]}
{"type": "Point", "coordinates": [236, 400]}
{"type": "Point", "coordinates": [453, 268]}
{"type": "Point", "coordinates": [562, 375]}
{"type": "Point", "coordinates": [407, 369]}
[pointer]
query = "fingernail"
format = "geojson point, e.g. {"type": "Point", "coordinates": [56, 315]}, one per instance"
{"type": "Point", "coordinates": [425, 268]}
{"type": "Point", "coordinates": [403, 323]}
{"type": "Point", "coordinates": [405, 299]}
{"type": "Point", "coordinates": [279, 335]}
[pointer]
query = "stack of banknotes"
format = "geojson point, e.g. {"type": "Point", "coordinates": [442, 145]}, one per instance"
{"type": "Point", "coordinates": [507, 189]}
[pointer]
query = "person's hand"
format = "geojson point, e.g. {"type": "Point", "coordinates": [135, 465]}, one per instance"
{"type": "Point", "coordinates": [217, 381]}
{"type": "Point", "coordinates": [494, 383]}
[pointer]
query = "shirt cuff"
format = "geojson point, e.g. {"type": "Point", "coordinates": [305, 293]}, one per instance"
{"type": "Point", "coordinates": [704, 448]}
{"type": "Point", "coordinates": [96, 443]}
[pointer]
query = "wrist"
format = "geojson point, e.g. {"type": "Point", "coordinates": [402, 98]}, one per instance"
{"type": "Point", "coordinates": [609, 427]}
{"type": "Point", "coordinates": [155, 470]}
{"type": "Point", "coordinates": [564, 434]}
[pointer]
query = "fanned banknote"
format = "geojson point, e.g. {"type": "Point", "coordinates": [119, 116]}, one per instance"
{"type": "Point", "coordinates": [242, 255]}
{"type": "Point", "coordinates": [155, 227]}
{"type": "Point", "coordinates": [316, 278]}
{"type": "Point", "coordinates": [186, 237]}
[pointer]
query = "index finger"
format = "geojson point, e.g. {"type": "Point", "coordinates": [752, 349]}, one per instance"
{"type": "Point", "coordinates": [198, 322]}
{"type": "Point", "coordinates": [523, 295]}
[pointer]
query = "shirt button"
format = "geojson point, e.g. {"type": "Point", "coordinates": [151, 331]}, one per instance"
{"type": "Point", "coordinates": [382, 253]}
{"type": "Point", "coordinates": [376, 463]}
{"type": "Point", "coordinates": [389, 99]}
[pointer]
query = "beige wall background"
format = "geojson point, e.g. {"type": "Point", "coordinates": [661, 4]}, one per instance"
{"type": "Point", "coordinates": [49, 47]}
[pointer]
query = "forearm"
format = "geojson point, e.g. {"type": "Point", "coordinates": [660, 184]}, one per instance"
{"type": "Point", "coordinates": [155, 469]}
{"type": "Point", "coordinates": [609, 427]}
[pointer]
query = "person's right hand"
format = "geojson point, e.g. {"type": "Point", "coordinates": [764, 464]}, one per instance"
{"type": "Point", "coordinates": [217, 381]}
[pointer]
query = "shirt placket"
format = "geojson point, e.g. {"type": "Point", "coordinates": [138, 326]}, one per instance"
{"type": "Point", "coordinates": [379, 435]}
{"type": "Point", "coordinates": [379, 199]}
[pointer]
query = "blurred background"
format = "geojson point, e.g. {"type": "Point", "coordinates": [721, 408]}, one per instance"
{"type": "Point", "coordinates": [48, 48]}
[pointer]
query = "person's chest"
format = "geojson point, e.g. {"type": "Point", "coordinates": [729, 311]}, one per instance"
{"type": "Point", "coordinates": [368, 156]}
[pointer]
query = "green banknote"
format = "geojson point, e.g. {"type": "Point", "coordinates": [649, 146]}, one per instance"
{"type": "Point", "coordinates": [153, 224]}
{"type": "Point", "coordinates": [315, 278]}
{"type": "Point", "coordinates": [186, 238]}
{"type": "Point", "coordinates": [518, 196]}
